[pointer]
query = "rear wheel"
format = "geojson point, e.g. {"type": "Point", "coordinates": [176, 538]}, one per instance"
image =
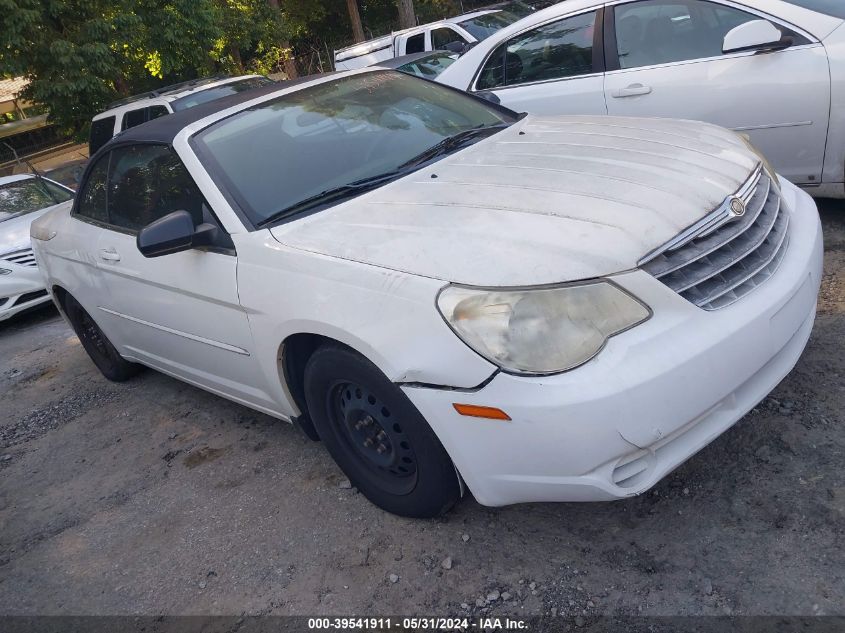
{"type": "Point", "coordinates": [377, 436]}
{"type": "Point", "coordinates": [112, 365]}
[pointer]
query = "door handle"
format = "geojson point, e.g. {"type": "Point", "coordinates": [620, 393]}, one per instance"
{"type": "Point", "coordinates": [634, 90]}
{"type": "Point", "coordinates": [109, 255]}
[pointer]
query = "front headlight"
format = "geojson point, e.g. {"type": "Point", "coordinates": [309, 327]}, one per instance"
{"type": "Point", "coordinates": [543, 330]}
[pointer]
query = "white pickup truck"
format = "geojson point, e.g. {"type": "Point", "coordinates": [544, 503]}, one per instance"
{"type": "Point", "coordinates": [453, 34]}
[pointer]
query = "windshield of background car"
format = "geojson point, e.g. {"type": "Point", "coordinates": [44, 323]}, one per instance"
{"type": "Point", "coordinates": [210, 94]}
{"type": "Point", "coordinates": [483, 26]}
{"type": "Point", "coordinates": [25, 196]}
{"type": "Point", "coordinates": [284, 151]}
{"type": "Point", "coordinates": [836, 8]}
{"type": "Point", "coordinates": [429, 67]}
{"type": "Point", "coordinates": [520, 9]}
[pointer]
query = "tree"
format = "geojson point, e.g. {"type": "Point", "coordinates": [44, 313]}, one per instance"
{"type": "Point", "coordinates": [251, 36]}
{"type": "Point", "coordinates": [407, 19]}
{"type": "Point", "coordinates": [355, 18]}
{"type": "Point", "coordinates": [288, 62]}
{"type": "Point", "coordinates": [81, 54]}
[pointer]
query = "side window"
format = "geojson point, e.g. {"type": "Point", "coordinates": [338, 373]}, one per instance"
{"type": "Point", "coordinates": [415, 44]}
{"type": "Point", "coordinates": [553, 51]}
{"type": "Point", "coordinates": [493, 73]}
{"type": "Point", "coordinates": [442, 36]}
{"type": "Point", "coordinates": [101, 131]}
{"type": "Point", "coordinates": [156, 111]}
{"type": "Point", "coordinates": [133, 117]}
{"type": "Point", "coordinates": [664, 31]}
{"type": "Point", "coordinates": [146, 182]}
{"type": "Point", "coordinates": [92, 197]}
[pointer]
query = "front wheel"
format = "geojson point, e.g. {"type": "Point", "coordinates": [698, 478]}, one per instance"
{"type": "Point", "coordinates": [377, 436]}
{"type": "Point", "coordinates": [100, 349]}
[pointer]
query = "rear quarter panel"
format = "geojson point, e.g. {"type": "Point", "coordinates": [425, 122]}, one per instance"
{"type": "Point", "coordinates": [63, 261]}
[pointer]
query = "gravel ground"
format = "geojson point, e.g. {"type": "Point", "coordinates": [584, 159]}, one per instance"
{"type": "Point", "coordinates": [154, 497]}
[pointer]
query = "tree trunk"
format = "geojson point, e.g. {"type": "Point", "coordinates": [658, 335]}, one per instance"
{"type": "Point", "coordinates": [287, 62]}
{"type": "Point", "coordinates": [355, 18]}
{"type": "Point", "coordinates": [235, 54]}
{"type": "Point", "coordinates": [407, 19]}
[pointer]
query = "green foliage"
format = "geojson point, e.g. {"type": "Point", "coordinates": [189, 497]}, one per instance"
{"type": "Point", "coordinates": [81, 54]}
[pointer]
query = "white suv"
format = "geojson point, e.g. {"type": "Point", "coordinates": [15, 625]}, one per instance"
{"type": "Point", "coordinates": [126, 113]}
{"type": "Point", "coordinates": [442, 290]}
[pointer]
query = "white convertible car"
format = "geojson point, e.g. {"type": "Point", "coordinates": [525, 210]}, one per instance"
{"type": "Point", "coordinates": [23, 198]}
{"type": "Point", "coordinates": [771, 69]}
{"type": "Point", "coordinates": [440, 290]}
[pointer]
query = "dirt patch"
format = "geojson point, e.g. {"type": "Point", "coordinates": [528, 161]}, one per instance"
{"type": "Point", "coordinates": [202, 456]}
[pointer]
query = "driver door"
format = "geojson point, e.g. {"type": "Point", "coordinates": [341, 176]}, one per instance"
{"type": "Point", "coordinates": [180, 312]}
{"type": "Point", "coordinates": [668, 62]}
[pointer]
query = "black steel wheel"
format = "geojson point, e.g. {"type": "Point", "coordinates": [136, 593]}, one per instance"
{"type": "Point", "coordinates": [101, 351]}
{"type": "Point", "coordinates": [373, 433]}
{"type": "Point", "coordinates": [377, 436]}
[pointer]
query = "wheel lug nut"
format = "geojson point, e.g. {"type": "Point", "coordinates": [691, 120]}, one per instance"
{"type": "Point", "coordinates": [381, 435]}
{"type": "Point", "coordinates": [368, 442]}
{"type": "Point", "coordinates": [381, 448]}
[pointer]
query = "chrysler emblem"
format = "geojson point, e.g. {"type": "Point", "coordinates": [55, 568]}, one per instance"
{"type": "Point", "coordinates": [737, 208]}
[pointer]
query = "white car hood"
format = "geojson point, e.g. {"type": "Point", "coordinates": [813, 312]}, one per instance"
{"type": "Point", "coordinates": [547, 200]}
{"type": "Point", "coordinates": [14, 232]}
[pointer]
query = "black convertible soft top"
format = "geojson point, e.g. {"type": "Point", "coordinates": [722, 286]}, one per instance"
{"type": "Point", "coordinates": [164, 129]}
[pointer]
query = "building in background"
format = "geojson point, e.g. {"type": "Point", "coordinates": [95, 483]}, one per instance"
{"type": "Point", "coordinates": [25, 130]}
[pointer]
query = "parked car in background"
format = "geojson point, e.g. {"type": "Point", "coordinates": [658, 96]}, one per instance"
{"type": "Point", "coordinates": [425, 65]}
{"type": "Point", "coordinates": [454, 34]}
{"type": "Point", "coordinates": [126, 113]}
{"type": "Point", "coordinates": [771, 69]}
{"type": "Point", "coordinates": [24, 198]}
{"type": "Point", "coordinates": [549, 308]}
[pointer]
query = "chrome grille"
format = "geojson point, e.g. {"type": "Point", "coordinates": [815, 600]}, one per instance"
{"type": "Point", "coordinates": [722, 258]}
{"type": "Point", "coordinates": [23, 257]}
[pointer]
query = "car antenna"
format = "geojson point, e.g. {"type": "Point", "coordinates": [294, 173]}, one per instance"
{"type": "Point", "coordinates": [37, 174]}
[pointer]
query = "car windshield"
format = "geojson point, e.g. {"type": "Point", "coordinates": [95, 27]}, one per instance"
{"type": "Point", "coordinates": [216, 92]}
{"type": "Point", "coordinates": [483, 26]}
{"type": "Point", "coordinates": [836, 8]}
{"type": "Point", "coordinates": [25, 196]}
{"type": "Point", "coordinates": [430, 66]}
{"type": "Point", "coordinates": [273, 156]}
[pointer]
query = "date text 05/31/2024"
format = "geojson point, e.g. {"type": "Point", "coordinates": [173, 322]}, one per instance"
{"type": "Point", "coordinates": [411, 623]}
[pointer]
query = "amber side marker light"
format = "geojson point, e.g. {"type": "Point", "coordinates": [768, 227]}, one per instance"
{"type": "Point", "coordinates": [476, 411]}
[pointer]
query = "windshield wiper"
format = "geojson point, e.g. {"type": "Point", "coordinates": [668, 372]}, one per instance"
{"type": "Point", "coordinates": [352, 189]}
{"type": "Point", "coordinates": [335, 194]}
{"type": "Point", "coordinates": [35, 173]}
{"type": "Point", "coordinates": [452, 143]}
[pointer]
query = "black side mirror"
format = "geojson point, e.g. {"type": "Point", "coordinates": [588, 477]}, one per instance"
{"type": "Point", "coordinates": [173, 233]}
{"type": "Point", "coordinates": [488, 96]}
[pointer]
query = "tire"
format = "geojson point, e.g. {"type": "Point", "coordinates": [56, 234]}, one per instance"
{"type": "Point", "coordinates": [376, 435]}
{"type": "Point", "coordinates": [100, 349]}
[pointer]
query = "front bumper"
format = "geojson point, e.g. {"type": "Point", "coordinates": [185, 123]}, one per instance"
{"type": "Point", "coordinates": [651, 399]}
{"type": "Point", "coordinates": [20, 289]}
